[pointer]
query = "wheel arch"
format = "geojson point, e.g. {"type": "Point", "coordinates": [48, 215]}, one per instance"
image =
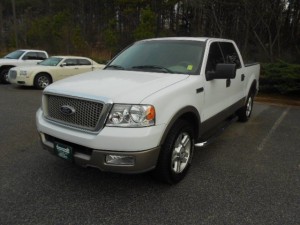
{"type": "Point", "coordinates": [44, 72]}
{"type": "Point", "coordinates": [3, 67]}
{"type": "Point", "coordinates": [4, 74]}
{"type": "Point", "coordinates": [188, 113]}
{"type": "Point", "coordinates": [254, 86]}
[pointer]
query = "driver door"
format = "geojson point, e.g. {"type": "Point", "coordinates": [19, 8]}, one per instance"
{"type": "Point", "coordinates": [216, 91]}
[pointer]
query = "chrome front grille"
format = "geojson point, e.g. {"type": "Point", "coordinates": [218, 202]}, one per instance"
{"type": "Point", "coordinates": [12, 74]}
{"type": "Point", "coordinates": [85, 114]}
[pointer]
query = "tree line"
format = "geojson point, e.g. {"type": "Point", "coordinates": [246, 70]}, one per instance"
{"type": "Point", "coordinates": [267, 30]}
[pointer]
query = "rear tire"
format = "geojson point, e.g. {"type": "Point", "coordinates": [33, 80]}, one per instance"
{"type": "Point", "coordinates": [176, 154]}
{"type": "Point", "coordinates": [245, 112]}
{"type": "Point", "coordinates": [42, 80]}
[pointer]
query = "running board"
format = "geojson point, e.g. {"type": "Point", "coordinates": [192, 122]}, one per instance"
{"type": "Point", "coordinates": [217, 133]}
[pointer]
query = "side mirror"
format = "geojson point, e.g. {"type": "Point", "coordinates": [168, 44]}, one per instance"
{"type": "Point", "coordinates": [63, 64]}
{"type": "Point", "coordinates": [223, 71]}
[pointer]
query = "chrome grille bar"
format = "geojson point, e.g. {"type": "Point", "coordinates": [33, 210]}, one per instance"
{"type": "Point", "coordinates": [12, 74]}
{"type": "Point", "coordinates": [86, 115]}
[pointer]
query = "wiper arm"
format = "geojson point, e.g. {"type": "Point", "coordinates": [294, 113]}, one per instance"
{"type": "Point", "coordinates": [117, 67]}
{"type": "Point", "coordinates": [155, 67]}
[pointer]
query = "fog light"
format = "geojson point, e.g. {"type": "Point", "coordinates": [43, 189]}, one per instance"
{"type": "Point", "coordinates": [119, 160]}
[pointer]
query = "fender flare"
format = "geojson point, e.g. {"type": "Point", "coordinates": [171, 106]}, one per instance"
{"type": "Point", "coordinates": [189, 113]}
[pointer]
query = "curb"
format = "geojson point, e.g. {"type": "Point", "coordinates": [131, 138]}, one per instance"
{"type": "Point", "coordinates": [277, 101]}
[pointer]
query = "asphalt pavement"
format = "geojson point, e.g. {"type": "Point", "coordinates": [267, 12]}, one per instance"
{"type": "Point", "coordinates": [249, 175]}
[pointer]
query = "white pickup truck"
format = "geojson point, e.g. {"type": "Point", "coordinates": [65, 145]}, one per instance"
{"type": "Point", "coordinates": [22, 57]}
{"type": "Point", "coordinates": [149, 107]}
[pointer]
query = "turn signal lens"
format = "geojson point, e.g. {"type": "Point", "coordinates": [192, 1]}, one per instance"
{"type": "Point", "coordinates": [150, 113]}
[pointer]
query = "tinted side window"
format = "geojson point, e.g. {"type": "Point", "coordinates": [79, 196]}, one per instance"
{"type": "Point", "coordinates": [215, 56]}
{"type": "Point", "coordinates": [84, 62]}
{"type": "Point", "coordinates": [30, 56]}
{"type": "Point", "coordinates": [71, 62]}
{"type": "Point", "coordinates": [230, 54]}
{"type": "Point", "coordinates": [41, 55]}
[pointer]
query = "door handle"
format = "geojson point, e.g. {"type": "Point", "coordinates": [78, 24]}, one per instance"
{"type": "Point", "coordinates": [243, 77]}
{"type": "Point", "coordinates": [228, 83]}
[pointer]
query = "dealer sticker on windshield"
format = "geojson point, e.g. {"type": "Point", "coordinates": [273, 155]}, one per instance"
{"type": "Point", "coordinates": [189, 67]}
{"type": "Point", "coordinates": [63, 151]}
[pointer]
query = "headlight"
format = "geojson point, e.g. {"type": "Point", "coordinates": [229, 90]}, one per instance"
{"type": "Point", "coordinates": [131, 116]}
{"type": "Point", "coordinates": [23, 72]}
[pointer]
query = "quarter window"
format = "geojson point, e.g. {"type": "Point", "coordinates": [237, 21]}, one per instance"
{"type": "Point", "coordinates": [41, 55]}
{"type": "Point", "coordinates": [84, 62]}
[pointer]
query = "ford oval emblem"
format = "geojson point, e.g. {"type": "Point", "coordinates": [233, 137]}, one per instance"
{"type": "Point", "coordinates": [67, 110]}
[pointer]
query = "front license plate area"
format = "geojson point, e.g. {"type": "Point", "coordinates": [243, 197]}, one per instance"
{"type": "Point", "coordinates": [63, 151]}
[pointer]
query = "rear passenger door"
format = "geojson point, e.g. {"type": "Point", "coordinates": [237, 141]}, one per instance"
{"type": "Point", "coordinates": [85, 65]}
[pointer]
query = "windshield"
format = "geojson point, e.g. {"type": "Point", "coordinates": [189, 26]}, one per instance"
{"type": "Point", "coordinates": [14, 55]}
{"type": "Point", "coordinates": [52, 61]}
{"type": "Point", "coordinates": [165, 56]}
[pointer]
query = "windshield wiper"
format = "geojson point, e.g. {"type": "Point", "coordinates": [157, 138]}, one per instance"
{"type": "Point", "coordinates": [155, 67]}
{"type": "Point", "coordinates": [116, 67]}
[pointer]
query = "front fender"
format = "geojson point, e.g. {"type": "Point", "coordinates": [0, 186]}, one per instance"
{"type": "Point", "coordinates": [188, 113]}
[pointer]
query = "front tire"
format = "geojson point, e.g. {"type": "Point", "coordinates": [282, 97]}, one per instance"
{"type": "Point", "coordinates": [4, 76]}
{"type": "Point", "coordinates": [42, 80]}
{"type": "Point", "coordinates": [176, 153]}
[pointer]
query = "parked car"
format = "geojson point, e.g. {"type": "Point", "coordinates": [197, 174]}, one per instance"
{"type": "Point", "coordinates": [50, 70]}
{"type": "Point", "coordinates": [149, 107]}
{"type": "Point", "coordinates": [22, 57]}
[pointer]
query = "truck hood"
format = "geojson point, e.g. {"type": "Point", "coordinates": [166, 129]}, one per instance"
{"type": "Point", "coordinates": [115, 85]}
{"type": "Point", "coordinates": [4, 61]}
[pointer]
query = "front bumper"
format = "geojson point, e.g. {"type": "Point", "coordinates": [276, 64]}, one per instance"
{"type": "Point", "coordinates": [86, 157]}
{"type": "Point", "coordinates": [90, 150]}
{"type": "Point", "coordinates": [21, 80]}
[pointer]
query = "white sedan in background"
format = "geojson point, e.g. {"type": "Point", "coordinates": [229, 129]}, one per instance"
{"type": "Point", "coordinates": [50, 70]}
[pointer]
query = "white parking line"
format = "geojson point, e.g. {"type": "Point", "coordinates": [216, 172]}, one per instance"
{"type": "Point", "coordinates": [275, 126]}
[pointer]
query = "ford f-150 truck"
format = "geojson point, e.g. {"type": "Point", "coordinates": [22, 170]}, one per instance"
{"type": "Point", "coordinates": [22, 57]}
{"type": "Point", "coordinates": [149, 106]}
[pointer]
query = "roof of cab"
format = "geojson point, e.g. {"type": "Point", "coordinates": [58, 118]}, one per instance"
{"type": "Point", "coordinates": [203, 39]}
{"type": "Point", "coordinates": [178, 38]}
